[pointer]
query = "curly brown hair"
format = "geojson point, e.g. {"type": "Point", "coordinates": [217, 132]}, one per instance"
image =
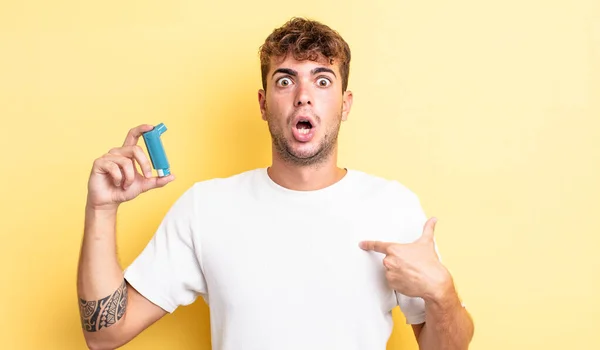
{"type": "Point", "coordinates": [305, 39]}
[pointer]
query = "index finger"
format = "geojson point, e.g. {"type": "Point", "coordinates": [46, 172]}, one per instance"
{"type": "Point", "coordinates": [134, 134]}
{"type": "Point", "coordinates": [376, 246]}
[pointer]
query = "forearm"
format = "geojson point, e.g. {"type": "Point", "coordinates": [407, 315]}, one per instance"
{"type": "Point", "coordinates": [101, 288]}
{"type": "Point", "coordinates": [448, 325]}
{"type": "Point", "coordinates": [99, 273]}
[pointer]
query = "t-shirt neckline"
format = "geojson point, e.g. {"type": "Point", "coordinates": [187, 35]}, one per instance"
{"type": "Point", "coordinates": [326, 191]}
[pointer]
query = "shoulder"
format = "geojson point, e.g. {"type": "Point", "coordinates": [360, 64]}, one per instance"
{"type": "Point", "coordinates": [383, 189]}
{"type": "Point", "coordinates": [393, 204]}
{"type": "Point", "coordinates": [223, 187]}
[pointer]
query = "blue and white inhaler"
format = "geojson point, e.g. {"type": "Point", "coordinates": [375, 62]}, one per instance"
{"type": "Point", "coordinates": [156, 150]}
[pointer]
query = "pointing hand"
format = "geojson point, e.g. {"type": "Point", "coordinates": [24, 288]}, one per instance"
{"type": "Point", "coordinates": [413, 269]}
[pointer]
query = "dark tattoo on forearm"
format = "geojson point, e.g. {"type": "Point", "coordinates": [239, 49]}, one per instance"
{"type": "Point", "coordinates": [105, 312]}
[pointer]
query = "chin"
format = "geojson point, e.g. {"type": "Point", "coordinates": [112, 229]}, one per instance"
{"type": "Point", "coordinates": [302, 152]}
{"type": "Point", "coordinates": [304, 156]}
{"type": "Point", "coordinates": [306, 149]}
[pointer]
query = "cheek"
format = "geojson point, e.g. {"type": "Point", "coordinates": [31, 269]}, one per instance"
{"type": "Point", "coordinates": [332, 102]}
{"type": "Point", "coordinates": [276, 106]}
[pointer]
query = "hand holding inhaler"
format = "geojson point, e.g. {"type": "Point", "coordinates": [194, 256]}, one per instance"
{"type": "Point", "coordinates": [114, 178]}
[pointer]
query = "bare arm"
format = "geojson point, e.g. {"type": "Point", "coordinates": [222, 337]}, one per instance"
{"type": "Point", "coordinates": [448, 325]}
{"type": "Point", "coordinates": [112, 312]}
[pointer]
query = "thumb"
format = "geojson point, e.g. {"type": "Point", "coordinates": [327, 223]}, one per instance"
{"type": "Point", "coordinates": [156, 182]}
{"type": "Point", "coordinates": [428, 230]}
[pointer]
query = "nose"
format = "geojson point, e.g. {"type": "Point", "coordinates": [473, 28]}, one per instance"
{"type": "Point", "coordinates": [303, 96]}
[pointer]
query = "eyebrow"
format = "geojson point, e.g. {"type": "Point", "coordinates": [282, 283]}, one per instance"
{"type": "Point", "coordinates": [323, 70]}
{"type": "Point", "coordinates": [294, 73]}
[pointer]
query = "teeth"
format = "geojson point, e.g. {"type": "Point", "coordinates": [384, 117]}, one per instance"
{"type": "Point", "coordinates": [304, 131]}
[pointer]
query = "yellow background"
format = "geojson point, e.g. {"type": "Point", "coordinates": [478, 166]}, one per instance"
{"type": "Point", "coordinates": [488, 110]}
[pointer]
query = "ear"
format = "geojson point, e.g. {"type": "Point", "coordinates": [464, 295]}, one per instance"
{"type": "Point", "coordinates": [346, 104]}
{"type": "Point", "coordinates": [262, 103]}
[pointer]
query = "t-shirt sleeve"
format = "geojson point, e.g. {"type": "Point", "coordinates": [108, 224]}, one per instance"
{"type": "Point", "coordinates": [415, 218]}
{"type": "Point", "coordinates": [168, 271]}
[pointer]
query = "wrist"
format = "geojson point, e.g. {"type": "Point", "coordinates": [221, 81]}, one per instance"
{"type": "Point", "coordinates": [100, 222]}
{"type": "Point", "coordinates": [442, 291]}
{"type": "Point", "coordinates": [105, 210]}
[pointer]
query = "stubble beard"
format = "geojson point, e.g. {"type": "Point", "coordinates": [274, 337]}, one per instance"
{"type": "Point", "coordinates": [319, 155]}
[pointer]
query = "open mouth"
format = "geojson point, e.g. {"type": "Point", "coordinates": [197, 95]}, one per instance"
{"type": "Point", "coordinates": [303, 126]}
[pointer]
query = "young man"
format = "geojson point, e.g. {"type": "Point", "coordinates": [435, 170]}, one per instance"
{"type": "Point", "coordinates": [300, 255]}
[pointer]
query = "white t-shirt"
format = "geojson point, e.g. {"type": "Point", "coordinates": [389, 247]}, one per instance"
{"type": "Point", "coordinates": [282, 269]}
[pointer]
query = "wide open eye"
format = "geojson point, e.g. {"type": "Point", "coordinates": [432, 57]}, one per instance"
{"type": "Point", "coordinates": [284, 82]}
{"type": "Point", "coordinates": [323, 82]}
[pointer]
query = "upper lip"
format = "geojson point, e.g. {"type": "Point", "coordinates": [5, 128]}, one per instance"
{"type": "Point", "coordinates": [300, 118]}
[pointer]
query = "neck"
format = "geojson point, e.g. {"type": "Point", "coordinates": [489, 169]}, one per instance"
{"type": "Point", "coordinates": [308, 177]}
